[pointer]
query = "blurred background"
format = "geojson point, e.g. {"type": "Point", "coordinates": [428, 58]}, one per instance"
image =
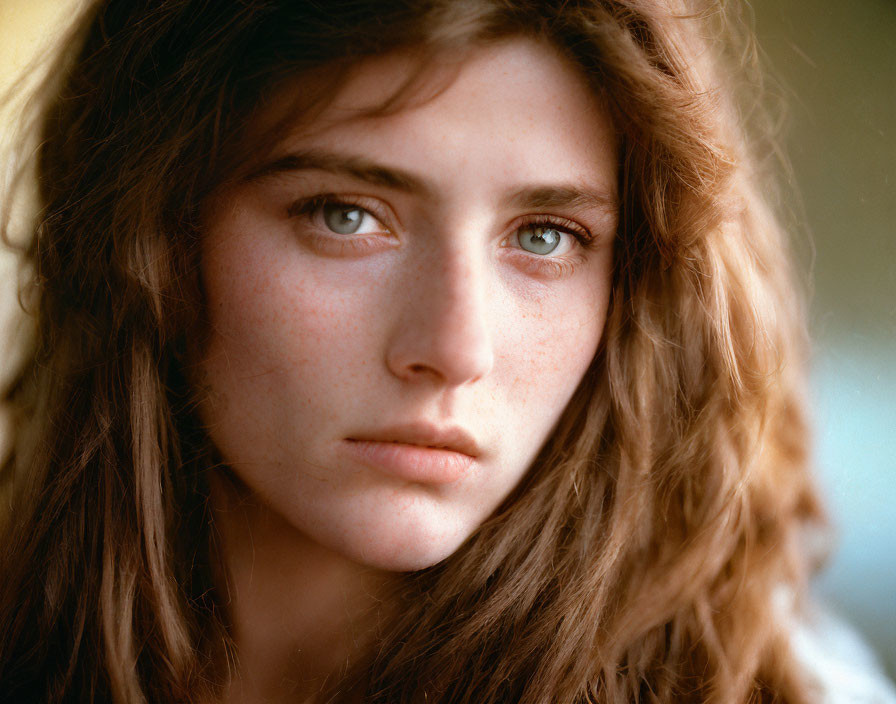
{"type": "Point", "coordinates": [835, 62]}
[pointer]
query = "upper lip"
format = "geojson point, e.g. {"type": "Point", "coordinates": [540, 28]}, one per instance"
{"type": "Point", "coordinates": [426, 435]}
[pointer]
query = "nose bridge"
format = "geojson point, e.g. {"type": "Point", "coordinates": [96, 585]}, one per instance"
{"type": "Point", "coordinates": [443, 330]}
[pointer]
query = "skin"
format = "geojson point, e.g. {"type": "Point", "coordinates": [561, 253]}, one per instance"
{"type": "Point", "coordinates": [432, 313]}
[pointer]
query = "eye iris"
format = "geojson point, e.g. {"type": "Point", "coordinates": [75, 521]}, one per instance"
{"type": "Point", "coordinates": [539, 240]}
{"type": "Point", "coordinates": [344, 219]}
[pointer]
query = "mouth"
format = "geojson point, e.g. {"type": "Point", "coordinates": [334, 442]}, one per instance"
{"type": "Point", "coordinates": [453, 438]}
{"type": "Point", "coordinates": [417, 452]}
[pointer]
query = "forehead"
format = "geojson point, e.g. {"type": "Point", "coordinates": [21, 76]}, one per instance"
{"type": "Point", "coordinates": [522, 92]}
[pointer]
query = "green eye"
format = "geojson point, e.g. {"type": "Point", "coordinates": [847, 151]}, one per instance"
{"type": "Point", "coordinates": [538, 240]}
{"type": "Point", "coordinates": [343, 219]}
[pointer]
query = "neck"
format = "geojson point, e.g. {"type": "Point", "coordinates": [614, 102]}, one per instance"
{"type": "Point", "coordinates": [300, 613]}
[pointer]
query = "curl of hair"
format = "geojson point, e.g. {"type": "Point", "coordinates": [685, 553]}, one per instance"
{"type": "Point", "coordinates": [640, 558]}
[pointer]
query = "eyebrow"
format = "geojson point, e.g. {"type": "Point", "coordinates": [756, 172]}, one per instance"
{"type": "Point", "coordinates": [363, 169]}
{"type": "Point", "coordinates": [343, 164]}
{"type": "Point", "coordinates": [564, 196]}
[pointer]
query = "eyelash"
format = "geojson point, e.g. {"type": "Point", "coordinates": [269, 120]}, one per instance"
{"type": "Point", "coordinates": [556, 266]}
{"type": "Point", "coordinates": [310, 206]}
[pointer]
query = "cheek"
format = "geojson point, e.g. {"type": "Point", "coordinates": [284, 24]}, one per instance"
{"type": "Point", "coordinates": [553, 340]}
{"type": "Point", "coordinates": [282, 348]}
{"type": "Point", "coordinates": [279, 314]}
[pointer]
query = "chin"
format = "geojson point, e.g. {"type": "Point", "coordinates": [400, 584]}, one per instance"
{"type": "Point", "coordinates": [407, 549]}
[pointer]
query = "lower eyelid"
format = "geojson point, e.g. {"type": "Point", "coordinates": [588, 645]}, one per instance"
{"type": "Point", "coordinates": [546, 266]}
{"type": "Point", "coordinates": [343, 245]}
{"type": "Point", "coordinates": [553, 267]}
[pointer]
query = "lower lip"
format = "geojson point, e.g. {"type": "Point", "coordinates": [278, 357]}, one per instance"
{"type": "Point", "coordinates": [414, 463]}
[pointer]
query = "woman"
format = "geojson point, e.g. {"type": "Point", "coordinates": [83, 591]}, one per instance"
{"type": "Point", "coordinates": [404, 352]}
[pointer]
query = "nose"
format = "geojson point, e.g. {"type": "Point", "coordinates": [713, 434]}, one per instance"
{"type": "Point", "coordinates": [442, 333]}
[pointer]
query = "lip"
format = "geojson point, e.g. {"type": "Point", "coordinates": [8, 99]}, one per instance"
{"type": "Point", "coordinates": [417, 452]}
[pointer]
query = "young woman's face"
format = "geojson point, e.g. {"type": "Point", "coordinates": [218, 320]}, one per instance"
{"type": "Point", "coordinates": [401, 306]}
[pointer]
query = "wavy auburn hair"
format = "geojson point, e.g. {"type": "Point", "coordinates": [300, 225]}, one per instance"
{"type": "Point", "coordinates": [642, 557]}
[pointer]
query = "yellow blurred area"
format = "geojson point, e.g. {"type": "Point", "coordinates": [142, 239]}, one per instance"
{"type": "Point", "coordinates": [27, 27]}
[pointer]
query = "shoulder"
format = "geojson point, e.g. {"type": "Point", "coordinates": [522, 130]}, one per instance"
{"type": "Point", "coordinates": [840, 665]}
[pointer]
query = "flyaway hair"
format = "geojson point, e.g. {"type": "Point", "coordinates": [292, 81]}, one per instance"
{"type": "Point", "coordinates": [645, 555]}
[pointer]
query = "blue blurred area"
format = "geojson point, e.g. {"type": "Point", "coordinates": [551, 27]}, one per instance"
{"type": "Point", "coordinates": [855, 392]}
